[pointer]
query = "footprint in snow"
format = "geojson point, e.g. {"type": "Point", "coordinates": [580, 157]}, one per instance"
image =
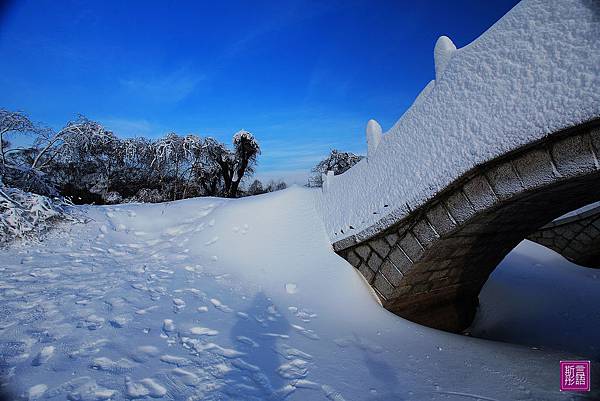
{"type": "Point", "coordinates": [291, 288]}
{"type": "Point", "coordinates": [90, 390]}
{"type": "Point", "coordinates": [294, 369]}
{"type": "Point", "coordinates": [306, 332]}
{"type": "Point", "coordinates": [143, 388]}
{"type": "Point", "coordinates": [143, 353]}
{"type": "Point", "coordinates": [93, 322]}
{"type": "Point", "coordinates": [276, 335]}
{"type": "Point", "coordinates": [168, 325]}
{"type": "Point", "coordinates": [43, 356]}
{"type": "Point", "coordinates": [175, 360]}
{"type": "Point", "coordinates": [105, 364]}
{"type": "Point", "coordinates": [203, 331]}
{"type": "Point", "coordinates": [247, 341]}
{"type": "Point", "coordinates": [220, 306]}
{"type": "Point", "coordinates": [290, 353]}
{"type": "Point", "coordinates": [331, 393]}
{"type": "Point", "coordinates": [36, 392]}
{"type": "Point", "coordinates": [186, 377]}
{"type": "Point", "coordinates": [303, 314]}
{"type": "Point", "coordinates": [118, 321]}
{"type": "Point", "coordinates": [212, 241]}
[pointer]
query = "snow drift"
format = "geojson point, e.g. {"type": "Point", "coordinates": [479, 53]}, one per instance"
{"type": "Point", "coordinates": [214, 299]}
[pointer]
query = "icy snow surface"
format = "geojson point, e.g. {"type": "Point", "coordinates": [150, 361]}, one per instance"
{"type": "Point", "coordinates": [522, 303]}
{"type": "Point", "coordinates": [532, 73]}
{"type": "Point", "coordinates": [210, 299]}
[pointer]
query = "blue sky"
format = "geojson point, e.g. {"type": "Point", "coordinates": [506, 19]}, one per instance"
{"type": "Point", "coordinates": [303, 76]}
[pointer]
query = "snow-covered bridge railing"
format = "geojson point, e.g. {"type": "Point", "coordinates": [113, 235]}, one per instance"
{"type": "Point", "coordinates": [430, 266]}
{"type": "Point", "coordinates": [502, 142]}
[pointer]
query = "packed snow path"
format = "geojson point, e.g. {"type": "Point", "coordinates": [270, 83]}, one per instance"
{"type": "Point", "coordinates": [505, 139]}
{"type": "Point", "coordinates": [208, 299]}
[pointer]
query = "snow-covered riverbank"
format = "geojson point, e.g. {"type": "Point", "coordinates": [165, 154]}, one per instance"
{"type": "Point", "coordinates": [210, 299]}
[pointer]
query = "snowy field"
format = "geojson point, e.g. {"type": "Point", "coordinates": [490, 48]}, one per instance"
{"type": "Point", "coordinates": [213, 299]}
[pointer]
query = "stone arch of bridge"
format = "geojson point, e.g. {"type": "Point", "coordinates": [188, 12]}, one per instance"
{"type": "Point", "coordinates": [430, 266]}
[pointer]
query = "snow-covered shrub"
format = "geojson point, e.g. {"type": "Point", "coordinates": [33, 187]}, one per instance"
{"type": "Point", "coordinates": [146, 195]}
{"type": "Point", "coordinates": [112, 198]}
{"type": "Point", "coordinates": [257, 187]}
{"type": "Point", "coordinates": [338, 162]}
{"type": "Point", "coordinates": [28, 179]}
{"type": "Point", "coordinates": [25, 214]}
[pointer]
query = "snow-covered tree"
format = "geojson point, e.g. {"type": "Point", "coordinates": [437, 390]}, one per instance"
{"type": "Point", "coordinates": [24, 214]}
{"type": "Point", "coordinates": [337, 161]}
{"type": "Point", "coordinates": [246, 151]}
{"type": "Point", "coordinates": [275, 185]}
{"type": "Point", "coordinates": [89, 164]}
{"type": "Point", "coordinates": [236, 164]}
{"type": "Point", "coordinates": [256, 188]}
{"type": "Point", "coordinates": [80, 158]}
{"type": "Point", "coordinates": [12, 122]}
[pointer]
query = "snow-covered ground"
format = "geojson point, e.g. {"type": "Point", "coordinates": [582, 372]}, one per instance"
{"type": "Point", "coordinates": [212, 299]}
{"type": "Point", "coordinates": [539, 298]}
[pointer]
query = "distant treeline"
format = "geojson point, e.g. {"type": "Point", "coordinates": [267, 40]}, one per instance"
{"type": "Point", "coordinates": [90, 164]}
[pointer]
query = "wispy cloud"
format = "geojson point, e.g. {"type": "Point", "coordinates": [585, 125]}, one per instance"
{"type": "Point", "coordinates": [290, 13]}
{"type": "Point", "coordinates": [170, 88]}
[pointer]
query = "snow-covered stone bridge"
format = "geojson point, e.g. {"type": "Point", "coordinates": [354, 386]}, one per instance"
{"type": "Point", "coordinates": [503, 141]}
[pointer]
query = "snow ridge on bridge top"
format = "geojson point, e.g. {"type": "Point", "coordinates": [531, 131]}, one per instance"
{"type": "Point", "coordinates": [533, 73]}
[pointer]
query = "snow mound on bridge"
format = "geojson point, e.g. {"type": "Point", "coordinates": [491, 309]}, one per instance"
{"type": "Point", "coordinates": [532, 73]}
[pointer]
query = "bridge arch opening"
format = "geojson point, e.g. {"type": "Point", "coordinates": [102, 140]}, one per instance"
{"type": "Point", "coordinates": [430, 266]}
